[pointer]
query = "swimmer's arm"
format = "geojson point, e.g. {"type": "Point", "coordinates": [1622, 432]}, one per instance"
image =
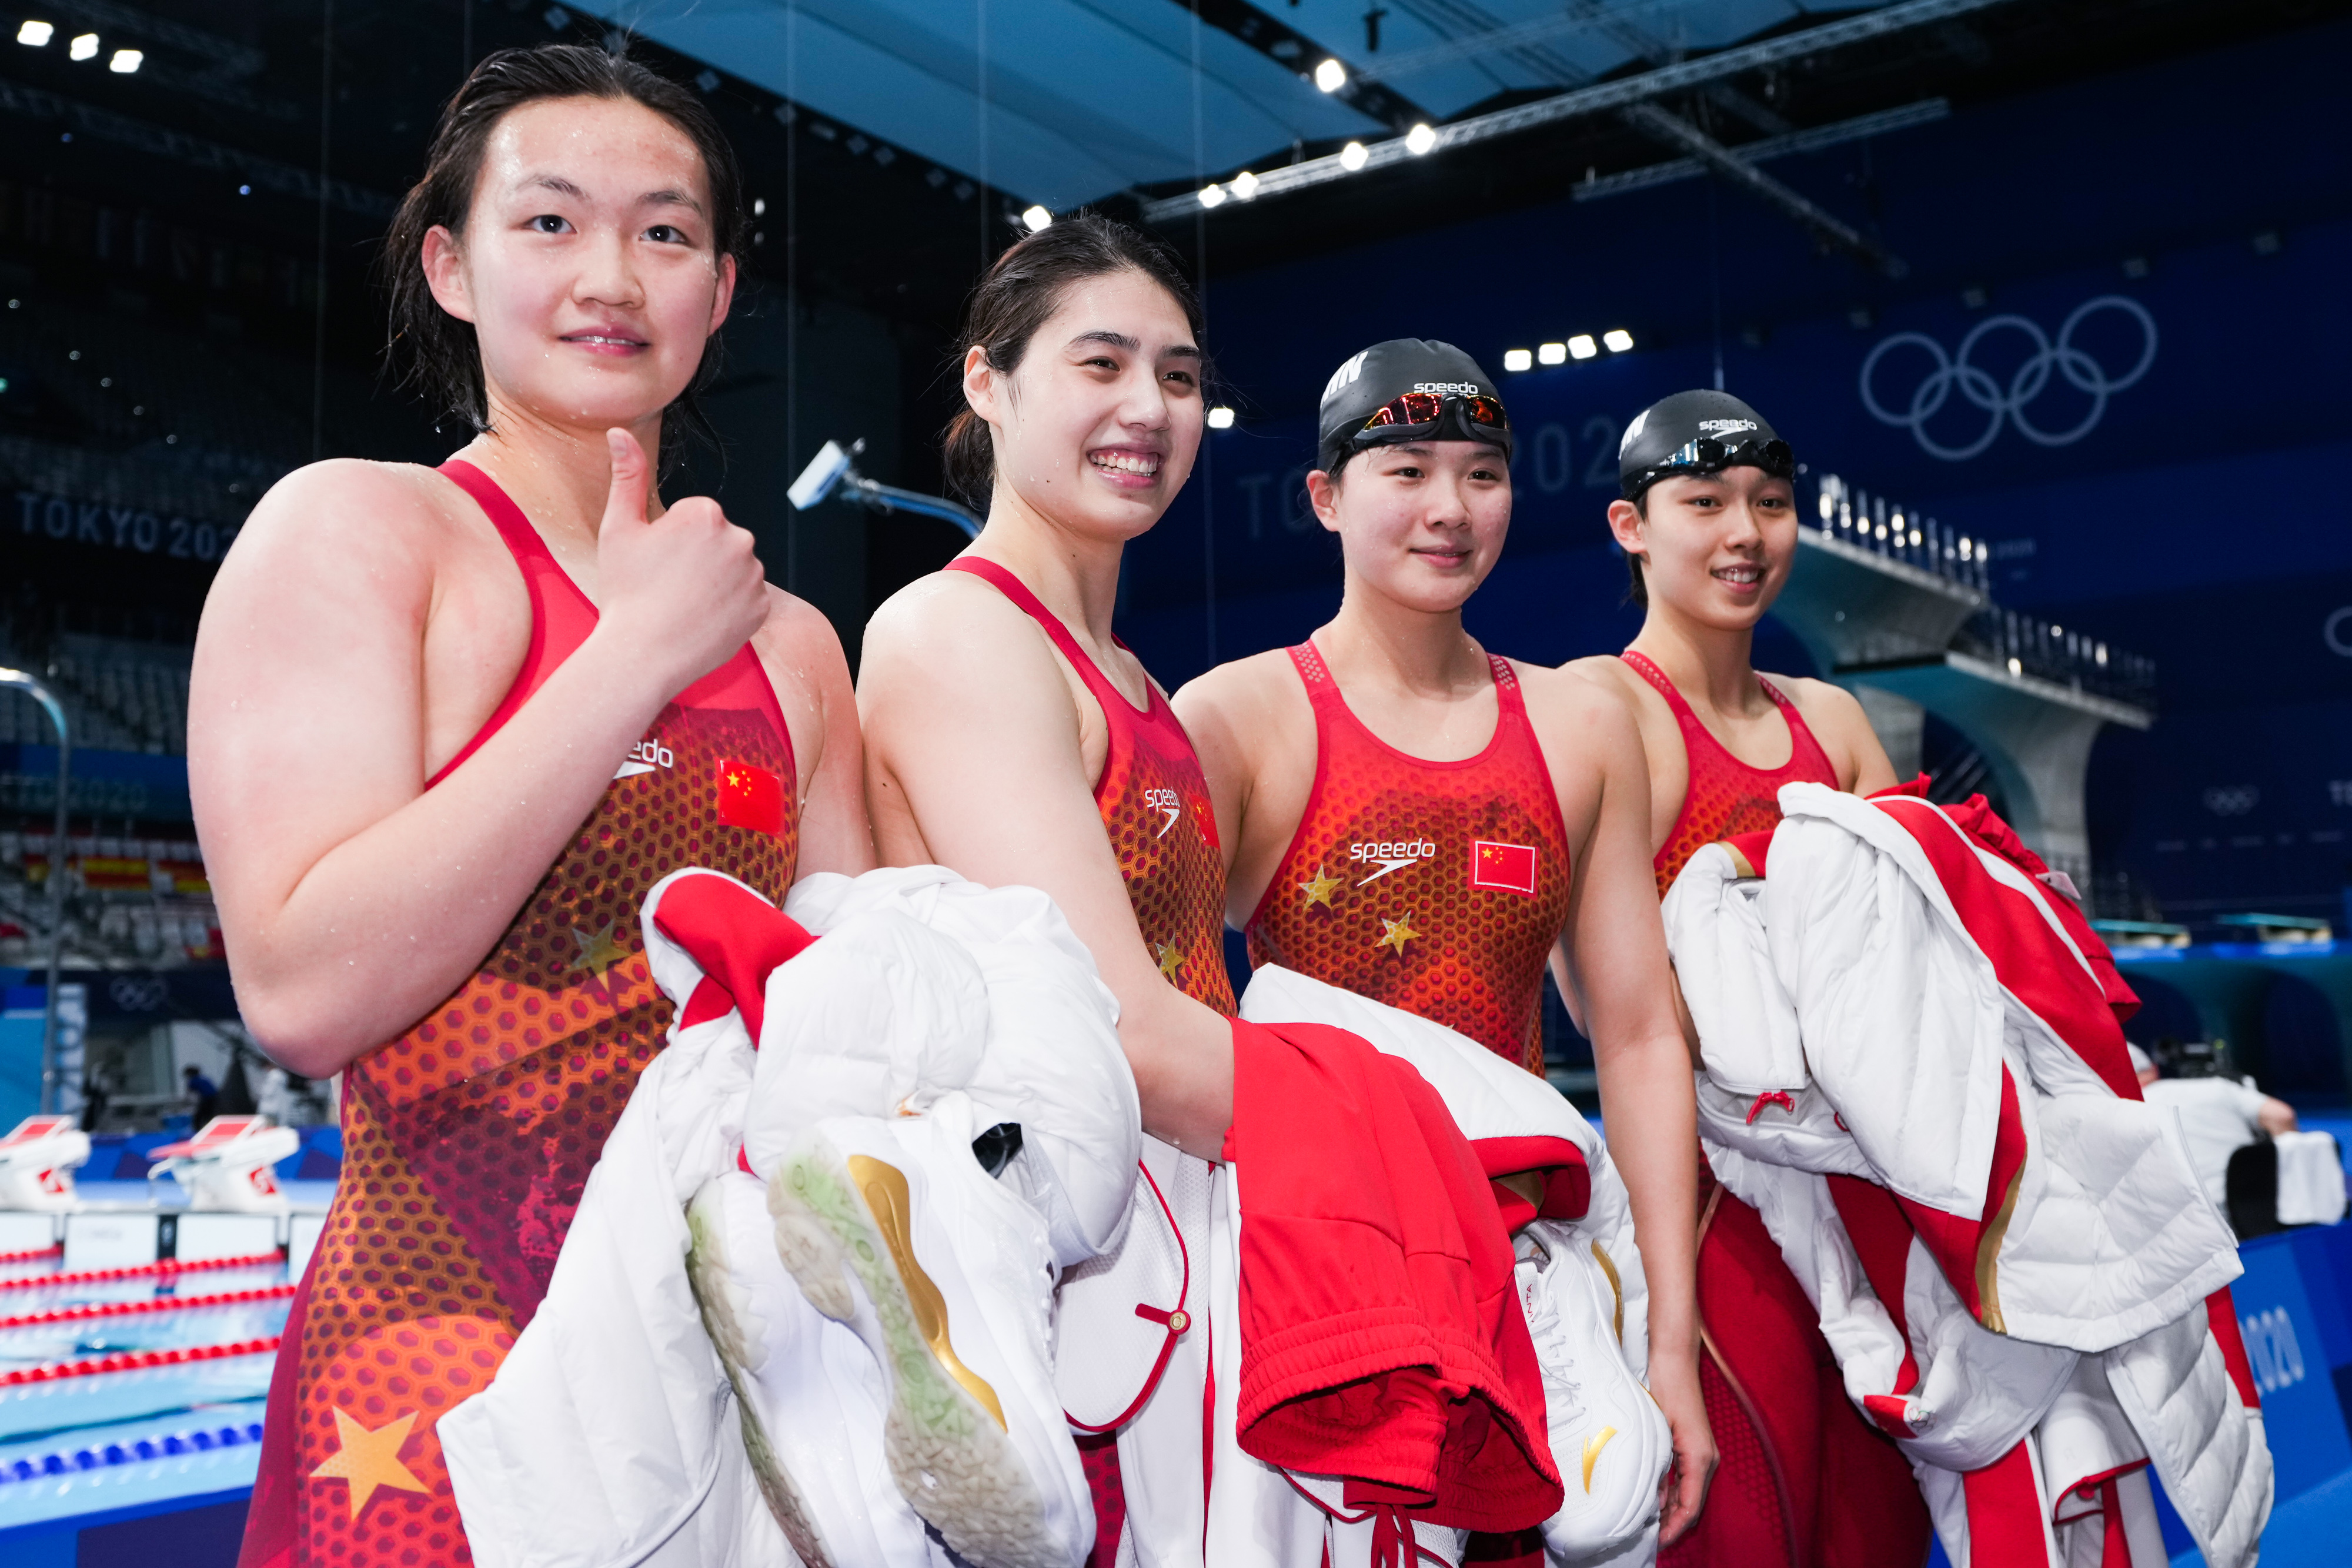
{"type": "Point", "coordinates": [1838, 722]}
{"type": "Point", "coordinates": [803, 656]}
{"type": "Point", "coordinates": [1616, 959]}
{"type": "Point", "coordinates": [972, 735]}
{"type": "Point", "coordinates": [352, 899]}
{"type": "Point", "coordinates": [1211, 709]}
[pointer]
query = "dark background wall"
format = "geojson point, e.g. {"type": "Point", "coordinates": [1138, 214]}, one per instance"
{"type": "Point", "coordinates": [2200, 517]}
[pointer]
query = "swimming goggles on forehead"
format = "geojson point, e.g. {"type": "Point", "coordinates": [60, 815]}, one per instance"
{"type": "Point", "coordinates": [1706, 455]}
{"type": "Point", "coordinates": [1420, 413]}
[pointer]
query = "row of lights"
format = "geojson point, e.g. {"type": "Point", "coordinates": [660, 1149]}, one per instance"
{"type": "Point", "coordinates": [1617, 341]}
{"type": "Point", "coordinates": [1330, 76]}
{"type": "Point", "coordinates": [84, 46]}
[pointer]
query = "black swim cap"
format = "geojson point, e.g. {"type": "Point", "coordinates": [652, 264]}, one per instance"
{"type": "Point", "coordinates": [1697, 432]}
{"type": "Point", "coordinates": [1468, 408]}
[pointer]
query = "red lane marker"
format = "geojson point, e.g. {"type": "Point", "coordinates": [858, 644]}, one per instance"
{"type": "Point", "coordinates": [33, 1256]}
{"type": "Point", "coordinates": [144, 1270]}
{"type": "Point", "coordinates": [136, 1361]}
{"type": "Point", "coordinates": [149, 1304]}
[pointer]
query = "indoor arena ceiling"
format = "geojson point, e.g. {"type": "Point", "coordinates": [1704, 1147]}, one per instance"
{"type": "Point", "coordinates": [1065, 102]}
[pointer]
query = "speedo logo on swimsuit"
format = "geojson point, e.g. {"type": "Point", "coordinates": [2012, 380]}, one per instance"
{"type": "Point", "coordinates": [1467, 389]}
{"type": "Point", "coordinates": [1390, 856]}
{"type": "Point", "coordinates": [644, 758]}
{"type": "Point", "coordinates": [1167, 801]}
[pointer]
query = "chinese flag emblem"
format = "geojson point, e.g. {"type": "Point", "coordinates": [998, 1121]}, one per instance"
{"type": "Point", "coordinates": [751, 796]}
{"type": "Point", "coordinates": [1506, 868]}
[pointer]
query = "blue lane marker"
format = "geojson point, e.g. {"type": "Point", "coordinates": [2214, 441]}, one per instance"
{"type": "Point", "coordinates": [195, 1441]}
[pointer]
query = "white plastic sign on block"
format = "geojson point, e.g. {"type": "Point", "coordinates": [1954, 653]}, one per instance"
{"type": "Point", "coordinates": [26, 1232]}
{"type": "Point", "coordinates": [203, 1237]}
{"type": "Point", "coordinates": [109, 1240]}
{"type": "Point", "coordinates": [301, 1241]}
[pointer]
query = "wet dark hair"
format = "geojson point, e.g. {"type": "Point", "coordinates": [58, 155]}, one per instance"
{"type": "Point", "coordinates": [432, 349]}
{"type": "Point", "coordinates": [1020, 292]}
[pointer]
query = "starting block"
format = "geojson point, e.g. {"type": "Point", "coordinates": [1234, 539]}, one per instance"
{"type": "Point", "coordinates": [37, 1163]}
{"type": "Point", "coordinates": [226, 1167]}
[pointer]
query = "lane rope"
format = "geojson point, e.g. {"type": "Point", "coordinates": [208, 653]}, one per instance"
{"type": "Point", "coordinates": [136, 1361]}
{"type": "Point", "coordinates": [148, 1304]}
{"type": "Point", "coordinates": [162, 1267]}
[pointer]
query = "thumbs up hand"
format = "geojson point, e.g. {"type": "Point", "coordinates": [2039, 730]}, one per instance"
{"type": "Point", "coordinates": [684, 589]}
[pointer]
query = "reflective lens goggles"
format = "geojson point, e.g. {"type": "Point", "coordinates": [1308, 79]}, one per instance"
{"type": "Point", "coordinates": [1420, 413]}
{"type": "Point", "coordinates": [1707, 455]}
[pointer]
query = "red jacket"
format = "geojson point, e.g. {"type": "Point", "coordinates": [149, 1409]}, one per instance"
{"type": "Point", "coordinates": [1382, 1335]}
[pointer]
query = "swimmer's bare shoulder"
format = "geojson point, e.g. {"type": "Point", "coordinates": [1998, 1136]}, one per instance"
{"type": "Point", "coordinates": [966, 711]}
{"type": "Point", "coordinates": [1237, 711]}
{"type": "Point", "coordinates": [1253, 728]}
{"type": "Point", "coordinates": [1837, 721]}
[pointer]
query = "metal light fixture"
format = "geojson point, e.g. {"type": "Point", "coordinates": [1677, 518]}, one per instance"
{"type": "Point", "coordinates": [1517, 360]}
{"type": "Point", "coordinates": [1552, 353]}
{"type": "Point", "coordinates": [1582, 346]}
{"type": "Point", "coordinates": [83, 47]}
{"type": "Point", "coordinates": [1352, 156]}
{"type": "Point", "coordinates": [1330, 76]}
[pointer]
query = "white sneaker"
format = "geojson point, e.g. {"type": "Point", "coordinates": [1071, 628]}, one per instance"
{"type": "Point", "coordinates": [891, 1226]}
{"type": "Point", "coordinates": [809, 1395]}
{"type": "Point", "coordinates": [1607, 1436]}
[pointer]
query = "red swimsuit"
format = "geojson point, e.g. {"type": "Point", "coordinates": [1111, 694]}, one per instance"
{"type": "Point", "coordinates": [1805, 1481]}
{"type": "Point", "coordinates": [1726, 797]}
{"type": "Point", "coordinates": [1154, 802]}
{"type": "Point", "coordinates": [1436, 887]}
{"type": "Point", "coordinates": [467, 1140]}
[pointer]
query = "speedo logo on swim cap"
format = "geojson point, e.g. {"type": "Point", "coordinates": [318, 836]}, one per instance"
{"type": "Point", "coordinates": [1726, 426]}
{"type": "Point", "coordinates": [1344, 376]}
{"type": "Point", "coordinates": [1467, 389]}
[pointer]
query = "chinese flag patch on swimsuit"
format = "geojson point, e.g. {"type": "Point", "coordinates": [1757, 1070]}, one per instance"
{"type": "Point", "coordinates": [1506, 868]}
{"type": "Point", "coordinates": [750, 797]}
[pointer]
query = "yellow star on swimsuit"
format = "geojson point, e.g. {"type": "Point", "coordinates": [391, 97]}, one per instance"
{"type": "Point", "coordinates": [597, 953]}
{"type": "Point", "coordinates": [1171, 960]}
{"type": "Point", "coordinates": [1321, 890]}
{"type": "Point", "coordinates": [367, 1460]}
{"type": "Point", "coordinates": [1396, 934]}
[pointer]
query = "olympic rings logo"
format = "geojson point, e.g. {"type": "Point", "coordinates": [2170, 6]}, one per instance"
{"type": "Point", "coordinates": [2232, 801]}
{"type": "Point", "coordinates": [1953, 373]}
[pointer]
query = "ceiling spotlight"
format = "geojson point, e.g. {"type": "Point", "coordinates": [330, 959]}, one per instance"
{"type": "Point", "coordinates": [84, 48]}
{"type": "Point", "coordinates": [1552, 353]}
{"type": "Point", "coordinates": [758, 206]}
{"type": "Point", "coordinates": [1221, 418]}
{"type": "Point", "coordinates": [1330, 76]}
{"type": "Point", "coordinates": [1036, 218]}
{"type": "Point", "coordinates": [1582, 346]}
{"type": "Point", "coordinates": [1352, 156]}
{"type": "Point", "coordinates": [1213, 196]}
{"type": "Point", "coordinates": [1244, 184]}
{"type": "Point", "coordinates": [37, 33]}
{"type": "Point", "coordinates": [1420, 139]}
{"type": "Point", "coordinates": [125, 61]}
{"type": "Point", "coordinates": [1617, 340]}
{"type": "Point", "coordinates": [1517, 360]}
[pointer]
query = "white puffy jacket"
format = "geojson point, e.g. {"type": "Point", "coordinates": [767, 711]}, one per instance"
{"type": "Point", "coordinates": [606, 1440]}
{"type": "Point", "coordinates": [1895, 1002]}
